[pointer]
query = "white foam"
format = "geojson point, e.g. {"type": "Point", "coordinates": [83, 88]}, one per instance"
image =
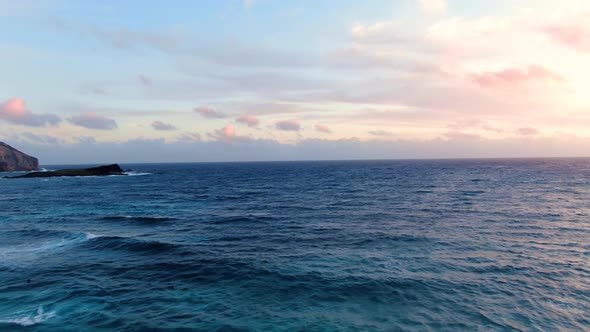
{"type": "Point", "coordinates": [90, 236]}
{"type": "Point", "coordinates": [58, 244]}
{"type": "Point", "coordinates": [31, 319]}
{"type": "Point", "coordinates": [134, 173]}
{"type": "Point", "coordinates": [29, 252]}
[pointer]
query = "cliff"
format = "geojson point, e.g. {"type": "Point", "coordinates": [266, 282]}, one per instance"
{"type": "Point", "coordinates": [12, 160]}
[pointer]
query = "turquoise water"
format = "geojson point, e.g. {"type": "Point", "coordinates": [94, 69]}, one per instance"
{"type": "Point", "coordinates": [301, 246]}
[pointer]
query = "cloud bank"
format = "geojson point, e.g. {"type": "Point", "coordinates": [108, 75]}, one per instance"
{"type": "Point", "coordinates": [52, 151]}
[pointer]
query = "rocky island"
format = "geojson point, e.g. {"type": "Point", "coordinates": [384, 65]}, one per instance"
{"type": "Point", "coordinates": [93, 171]}
{"type": "Point", "coordinates": [12, 160]}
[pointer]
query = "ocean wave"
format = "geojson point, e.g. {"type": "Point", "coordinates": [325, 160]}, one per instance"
{"type": "Point", "coordinates": [252, 275]}
{"type": "Point", "coordinates": [47, 241]}
{"type": "Point", "coordinates": [241, 219]}
{"type": "Point", "coordinates": [40, 244]}
{"type": "Point", "coordinates": [140, 219]}
{"type": "Point", "coordinates": [119, 243]}
{"type": "Point", "coordinates": [31, 319]}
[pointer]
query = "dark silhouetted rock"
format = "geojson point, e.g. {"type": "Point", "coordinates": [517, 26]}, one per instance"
{"type": "Point", "coordinates": [94, 171]}
{"type": "Point", "coordinates": [12, 160]}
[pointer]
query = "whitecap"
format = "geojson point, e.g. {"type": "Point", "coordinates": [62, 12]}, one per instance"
{"type": "Point", "coordinates": [90, 236]}
{"type": "Point", "coordinates": [134, 173]}
{"type": "Point", "coordinates": [14, 256]}
{"type": "Point", "coordinates": [31, 319]}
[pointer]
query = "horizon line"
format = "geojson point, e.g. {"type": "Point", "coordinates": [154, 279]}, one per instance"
{"type": "Point", "coordinates": [322, 160]}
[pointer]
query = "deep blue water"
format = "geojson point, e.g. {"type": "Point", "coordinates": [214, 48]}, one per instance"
{"type": "Point", "coordinates": [301, 246]}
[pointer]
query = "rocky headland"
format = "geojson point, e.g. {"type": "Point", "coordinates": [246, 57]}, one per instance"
{"type": "Point", "coordinates": [12, 160]}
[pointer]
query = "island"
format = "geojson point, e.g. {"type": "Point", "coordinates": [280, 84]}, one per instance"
{"type": "Point", "coordinates": [12, 160]}
{"type": "Point", "coordinates": [107, 170]}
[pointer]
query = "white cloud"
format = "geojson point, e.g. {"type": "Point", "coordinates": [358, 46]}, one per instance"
{"type": "Point", "coordinates": [433, 6]}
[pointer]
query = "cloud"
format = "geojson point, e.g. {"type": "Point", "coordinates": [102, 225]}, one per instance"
{"type": "Point", "coordinates": [189, 138]}
{"type": "Point", "coordinates": [228, 134]}
{"type": "Point", "coordinates": [144, 80]}
{"type": "Point", "coordinates": [516, 76]}
{"type": "Point", "coordinates": [86, 140]}
{"type": "Point", "coordinates": [92, 89]}
{"type": "Point", "coordinates": [93, 121]}
{"type": "Point", "coordinates": [433, 6]}
{"type": "Point", "coordinates": [380, 133]}
{"type": "Point", "coordinates": [210, 113]}
{"type": "Point", "coordinates": [574, 36]}
{"type": "Point", "coordinates": [249, 120]}
{"type": "Point", "coordinates": [159, 125]}
{"type": "Point", "coordinates": [253, 56]}
{"type": "Point", "coordinates": [379, 32]}
{"type": "Point", "coordinates": [15, 111]}
{"type": "Point", "coordinates": [288, 125]}
{"type": "Point", "coordinates": [267, 108]}
{"type": "Point", "coordinates": [416, 80]}
{"type": "Point", "coordinates": [140, 151]}
{"type": "Point", "coordinates": [463, 124]}
{"type": "Point", "coordinates": [458, 135]}
{"type": "Point", "coordinates": [41, 139]}
{"type": "Point", "coordinates": [229, 131]}
{"type": "Point", "coordinates": [323, 128]}
{"type": "Point", "coordinates": [492, 129]}
{"type": "Point", "coordinates": [528, 131]}
{"type": "Point", "coordinates": [135, 40]}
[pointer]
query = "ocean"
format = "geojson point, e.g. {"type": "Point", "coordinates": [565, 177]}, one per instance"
{"type": "Point", "coordinates": [447, 245]}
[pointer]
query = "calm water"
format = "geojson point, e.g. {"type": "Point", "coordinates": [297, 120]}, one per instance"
{"type": "Point", "coordinates": [302, 246]}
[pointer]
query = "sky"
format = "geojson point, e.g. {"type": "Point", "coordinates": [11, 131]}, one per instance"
{"type": "Point", "coordinates": [248, 80]}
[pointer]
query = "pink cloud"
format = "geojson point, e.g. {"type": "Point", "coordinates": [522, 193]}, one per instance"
{"type": "Point", "coordinates": [15, 111]}
{"type": "Point", "coordinates": [15, 108]}
{"type": "Point", "coordinates": [528, 131]}
{"type": "Point", "coordinates": [288, 125]}
{"type": "Point", "coordinates": [249, 120]}
{"type": "Point", "coordinates": [93, 121]}
{"type": "Point", "coordinates": [228, 134]}
{"type": "Point", "coordinates": [210, 113]}
{"type": "Point", "coordinates": [323, 128]}
{"type": "Point", "coordinates": [573, 36]}
{"type": "Point", "coordinates": [513, 76]}
{"type": "Point", "coordinates": [229, 131]}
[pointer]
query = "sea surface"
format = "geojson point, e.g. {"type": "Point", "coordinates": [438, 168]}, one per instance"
{"type": "Point", "coordinates": [449, 245]}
